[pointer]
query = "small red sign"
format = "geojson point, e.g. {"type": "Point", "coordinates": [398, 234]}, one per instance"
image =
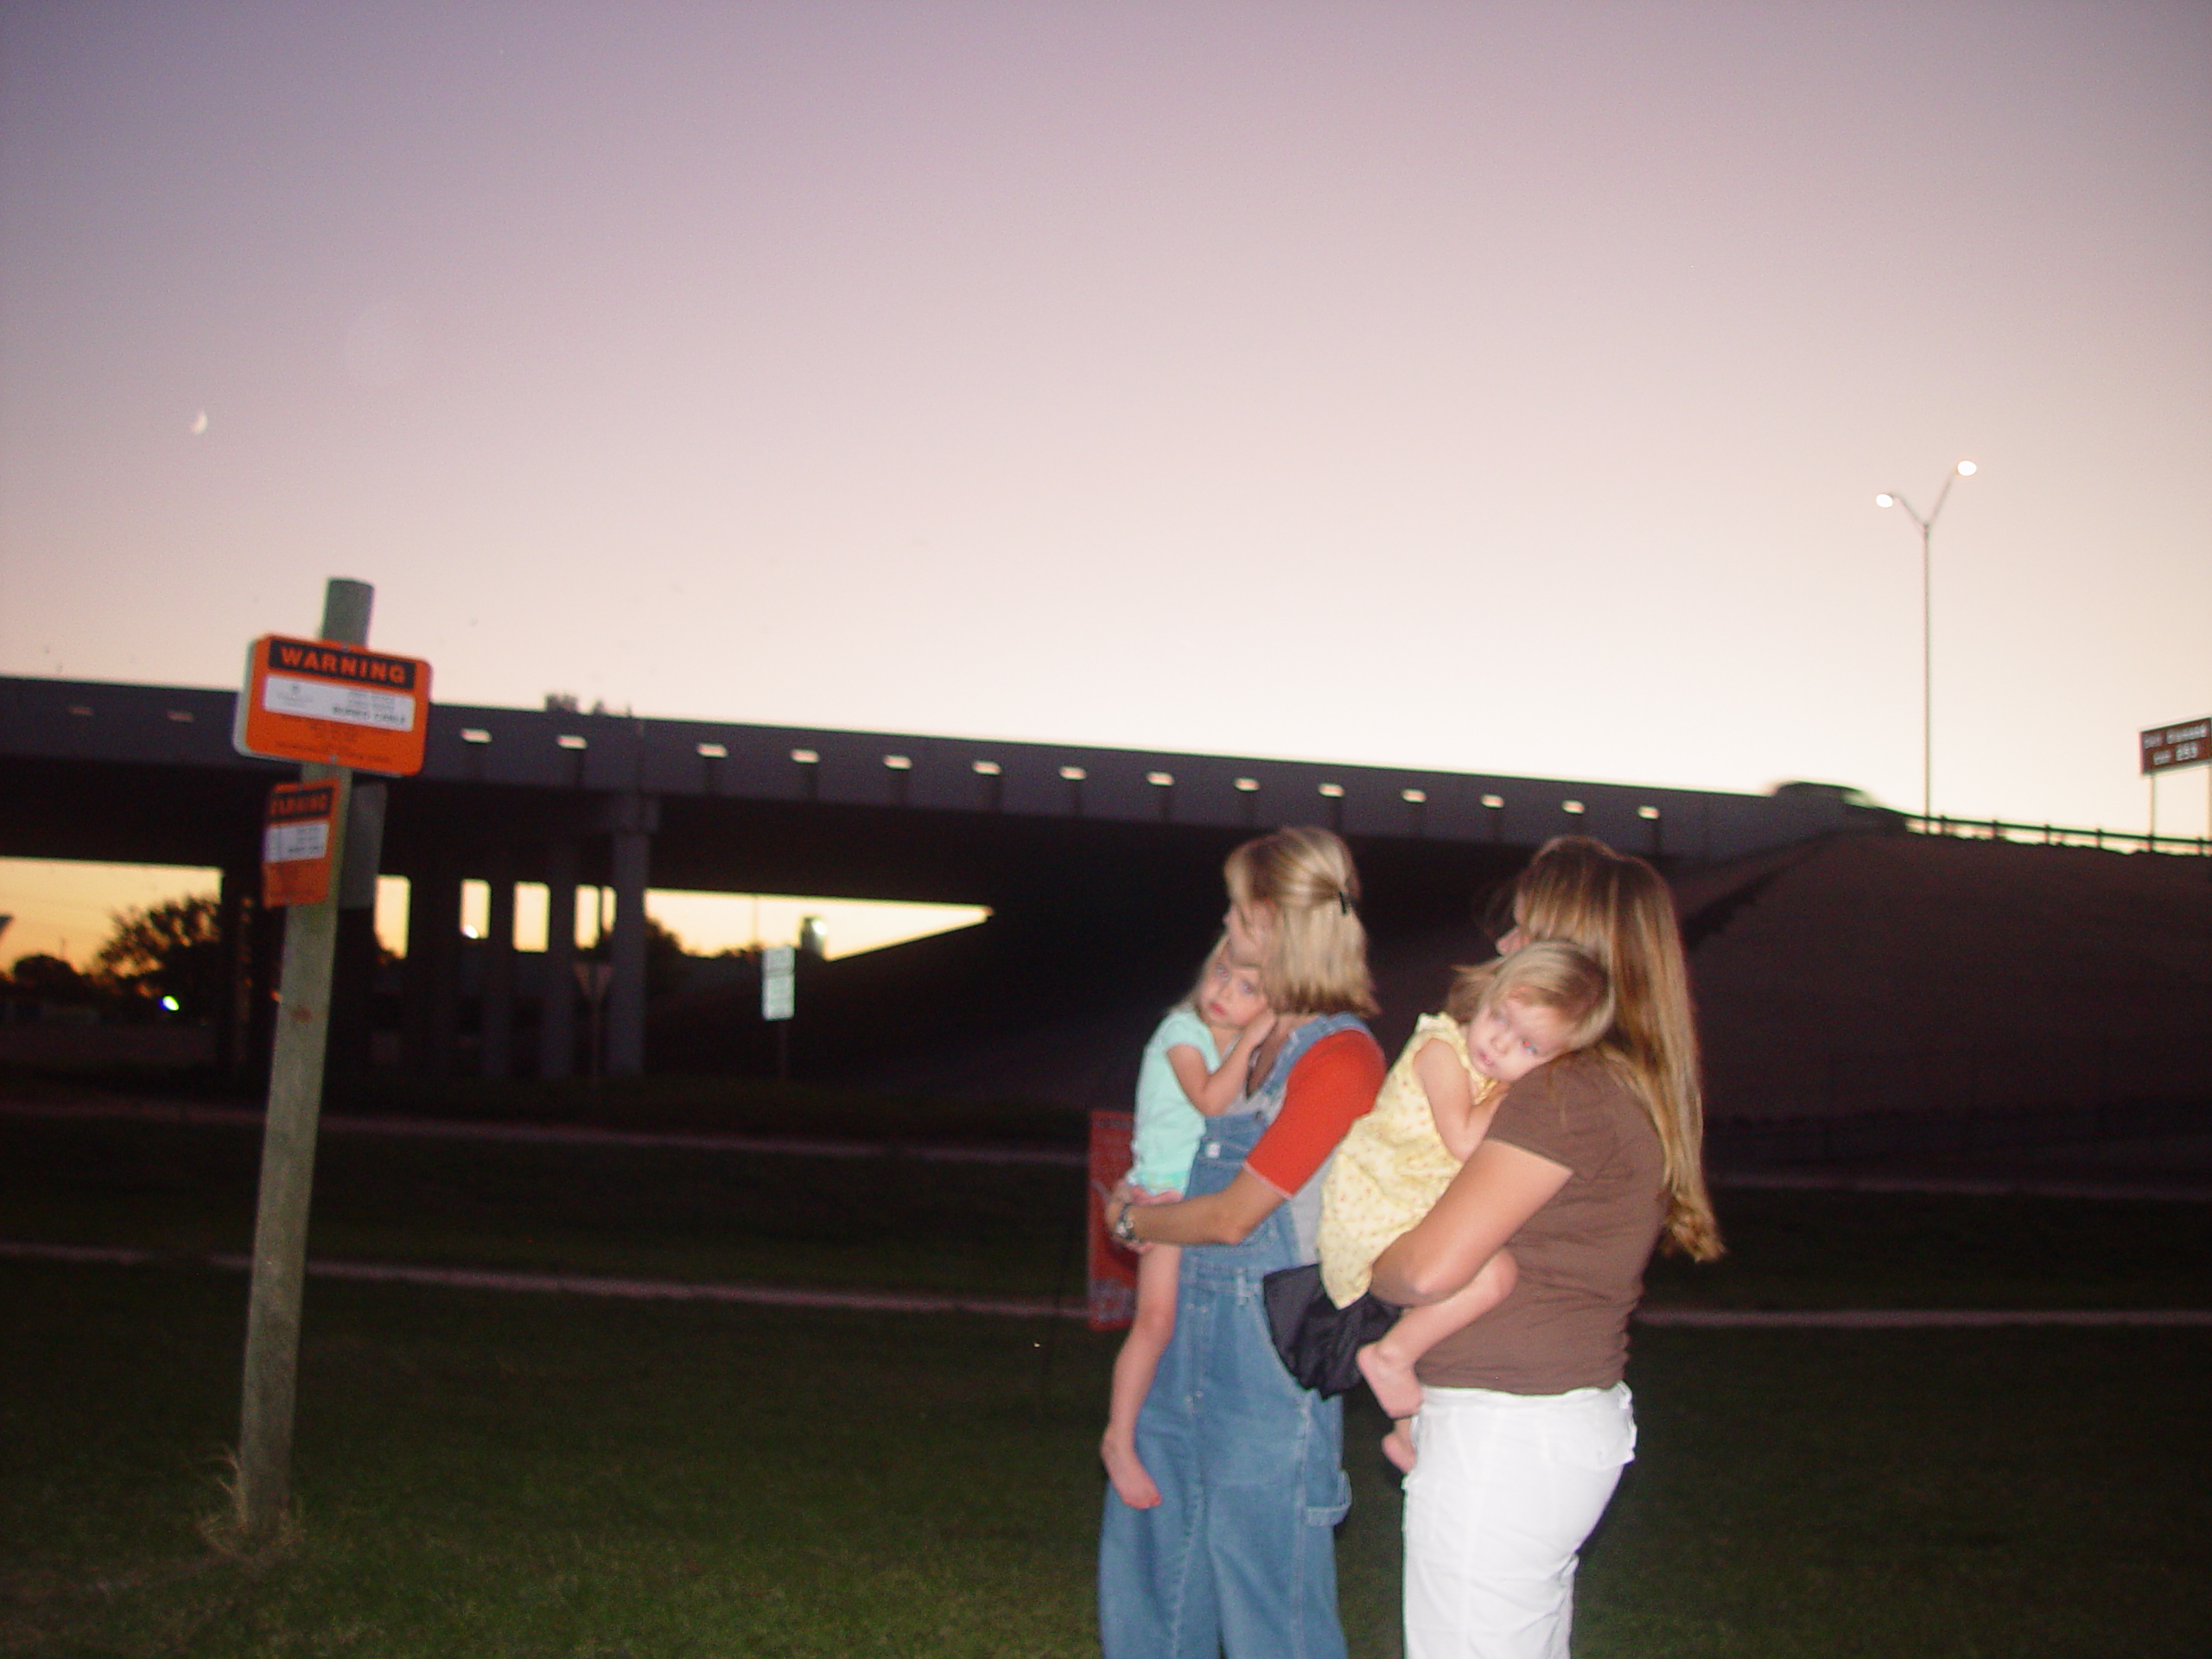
{"type": "Point", "coordinates": [313, 700]}
{"type": "Point", "coordinates": [296, 843]}
{"type": "Point", "coordinates": [1112, 1269]}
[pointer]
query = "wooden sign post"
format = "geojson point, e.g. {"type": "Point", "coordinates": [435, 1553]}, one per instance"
{"type": "Point", "coordinates": [332, 705]}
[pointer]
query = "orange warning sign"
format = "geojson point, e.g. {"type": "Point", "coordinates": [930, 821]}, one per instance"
{"type": "Point", "coordinates": [312, 700]}
{"type": "Point", "coordinates": [296, 843]}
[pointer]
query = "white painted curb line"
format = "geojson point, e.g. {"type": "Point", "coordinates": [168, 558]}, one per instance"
{"type": "Point", "coordinates": [1037, 1307]}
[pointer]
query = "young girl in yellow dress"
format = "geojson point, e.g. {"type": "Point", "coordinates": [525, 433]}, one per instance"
{"type": "Point", "coordinates": [1502, 1021]}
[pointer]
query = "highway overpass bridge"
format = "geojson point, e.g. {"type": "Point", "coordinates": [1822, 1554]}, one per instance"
{"type": "Point", "coordinates": [1101, 865]}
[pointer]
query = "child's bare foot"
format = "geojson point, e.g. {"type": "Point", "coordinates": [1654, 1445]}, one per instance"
{"type": "Point", "coordinates": [1123, 1468]}
{"type": "Point", "coordinates": [1396, 1389]}
{"type": "Point", "coordinates": [1398, 1445]}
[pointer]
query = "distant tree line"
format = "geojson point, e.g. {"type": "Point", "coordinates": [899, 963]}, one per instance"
{"type": "Point", "coordinates": [174, 950]}
{"type": "Point", "coordinates": [170, 951]}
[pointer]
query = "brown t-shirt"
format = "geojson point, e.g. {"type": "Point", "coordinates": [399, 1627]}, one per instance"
{"type": "Point", "coordinates": [1582, 1255]}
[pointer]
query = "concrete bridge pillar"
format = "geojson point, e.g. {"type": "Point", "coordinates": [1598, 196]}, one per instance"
{"type": "Point", "coordinates": [498, 1018]}
{"type": "Point", "coordinates": [557, 1013]}
{"type": "Point", "coordinates": [265, 934]}
{"type": "Point", "coordinates": [433, 966]}
{"type": "Point", "coordinates": [235, 906]}
{"type": "Point", "coordinates": [353, 995]}
{"type": "Point", "coordinates": [635, 817]}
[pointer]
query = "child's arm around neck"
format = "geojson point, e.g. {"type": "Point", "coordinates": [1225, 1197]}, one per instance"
{"type": "Point", "coordinates": [1214, 1092]}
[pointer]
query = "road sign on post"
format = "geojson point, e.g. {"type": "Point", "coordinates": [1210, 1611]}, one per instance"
{"type": "Point", "coordinates": [326, 695]}
{"type": "Point", "coordinates": [779, 1000]}
{"type": "Point", "coordinates": [2168, 749]}
{"type": "Point", "coordinates": [778, 982]}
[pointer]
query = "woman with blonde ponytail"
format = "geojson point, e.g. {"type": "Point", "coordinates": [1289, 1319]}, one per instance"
{"type": "Point", "coordinates": [1237, 1556]}
{"type": "Point", "coordinates": [1591, 1161]}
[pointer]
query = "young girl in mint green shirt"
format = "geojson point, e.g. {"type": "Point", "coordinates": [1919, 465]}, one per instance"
{"type": "Point", "coordinates": [1193, 1069]}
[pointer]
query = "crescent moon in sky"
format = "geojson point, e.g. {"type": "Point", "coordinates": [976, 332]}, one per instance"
{"type": "Point", "coordinates": [199, 423]}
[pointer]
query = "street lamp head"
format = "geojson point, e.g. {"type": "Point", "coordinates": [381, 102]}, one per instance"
{"type": "Point", "coordinates": [1886, 500]}
{"type": "Point", "coordinates": [1966, 469]}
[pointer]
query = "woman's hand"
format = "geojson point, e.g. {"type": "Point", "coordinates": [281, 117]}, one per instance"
{"type": "Point", "coordinates": [1127, 1195]}
{"type": "Point", "coordinates": [1224, 1218]}
{"type": "Point", "coordinates": [1489, 1199]}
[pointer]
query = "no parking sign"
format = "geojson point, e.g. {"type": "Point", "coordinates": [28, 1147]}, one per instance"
{"type": "Point", "coordinates": [296, 843]}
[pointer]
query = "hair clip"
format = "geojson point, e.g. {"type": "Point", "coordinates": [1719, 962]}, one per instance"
{"type": "Point", "coordinates": [1344, 903]}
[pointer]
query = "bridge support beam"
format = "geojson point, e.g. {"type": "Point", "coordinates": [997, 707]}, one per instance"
{"type": "Point", "coordinates": [235, 907]}
{"type": "Point", "coordinates": [497, 1004]}
{"type": "Point", "coordinates": [353, 995]}
{"type": "Point", "coordinates": [433, 966]}
{"type": "Point", "coordinates": [635, 817]}
{"type": "Point", "coordinates": [556, 1009]}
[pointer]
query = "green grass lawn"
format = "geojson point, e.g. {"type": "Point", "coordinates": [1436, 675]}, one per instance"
{"type": "Point", "coordinates": [488, 1475]}
{"type": "Point", "coordinates": [1805, 1250]}
{"type": "Point", "coordinates": [532, 1475]}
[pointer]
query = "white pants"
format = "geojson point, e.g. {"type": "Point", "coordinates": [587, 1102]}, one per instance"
{"type": "Point", "coordinates": [1506, 1488]}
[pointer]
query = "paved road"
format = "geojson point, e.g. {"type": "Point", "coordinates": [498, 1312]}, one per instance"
{"type": "Point", "coordinates": [1037, 1307]}
{"type": "Point", "coordinates": [2032, 1183]}
{"type": "Point", "coordinates": [151, 1111]}
{"type": "Point", "coordinates": [572, 1284]}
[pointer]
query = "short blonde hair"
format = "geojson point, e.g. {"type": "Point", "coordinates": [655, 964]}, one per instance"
{"type": "Point", "coordinates": [1552, 974]}
{"type": "Point", "coordinates": [1303, 882]}
{"type": "Point", "coordinates": [1619, 910]}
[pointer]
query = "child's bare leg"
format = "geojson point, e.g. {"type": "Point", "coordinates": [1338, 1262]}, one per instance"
{"type": "Point", "coordinates": [1133, 1371]}
{"type": "Point", "coordinates": [1387, 1363]}
{"type": "Point", "coordinates": [1398, 1445]}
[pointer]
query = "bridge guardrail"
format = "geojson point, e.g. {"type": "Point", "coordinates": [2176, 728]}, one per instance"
{"type": "Point", "coordinates": [2046, 834]}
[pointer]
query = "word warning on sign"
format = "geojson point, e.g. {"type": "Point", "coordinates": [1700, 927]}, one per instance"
{"type": "Point", "coordinates": [295, 837]}
{"type": "Point", "coordinates": [311, 700]}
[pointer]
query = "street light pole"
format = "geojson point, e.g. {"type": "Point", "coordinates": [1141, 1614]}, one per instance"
{"type": "Point", "coordinates": [1891, 498]}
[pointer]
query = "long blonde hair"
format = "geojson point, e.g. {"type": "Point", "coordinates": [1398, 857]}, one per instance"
{"type": "Point", "coordinates": [1302, 883]}
{"type": "Point", "coordinates": [1619, 909]}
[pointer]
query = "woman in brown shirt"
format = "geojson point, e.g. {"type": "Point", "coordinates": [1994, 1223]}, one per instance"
{"type": "Point", "coordinates": [1591, 1160]}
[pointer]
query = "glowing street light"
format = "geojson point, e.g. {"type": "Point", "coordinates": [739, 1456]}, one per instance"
{"type": "Point", "coordinates": [1891, 499]}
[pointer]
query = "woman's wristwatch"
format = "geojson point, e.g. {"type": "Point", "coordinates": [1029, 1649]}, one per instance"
{"type": "Point", "coordinates": [1125, 1224]}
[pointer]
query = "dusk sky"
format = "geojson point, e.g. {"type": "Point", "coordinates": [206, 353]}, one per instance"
{"type": "Point", "coordinates": [1496, 387]}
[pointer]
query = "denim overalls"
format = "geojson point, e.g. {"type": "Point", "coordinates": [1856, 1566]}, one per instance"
{"type": "Point", "coordinates": [1240, 1556]}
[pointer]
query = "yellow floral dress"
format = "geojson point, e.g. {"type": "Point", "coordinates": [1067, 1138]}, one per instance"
{"type": "Point", "coordinates": [1389, 1169]}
